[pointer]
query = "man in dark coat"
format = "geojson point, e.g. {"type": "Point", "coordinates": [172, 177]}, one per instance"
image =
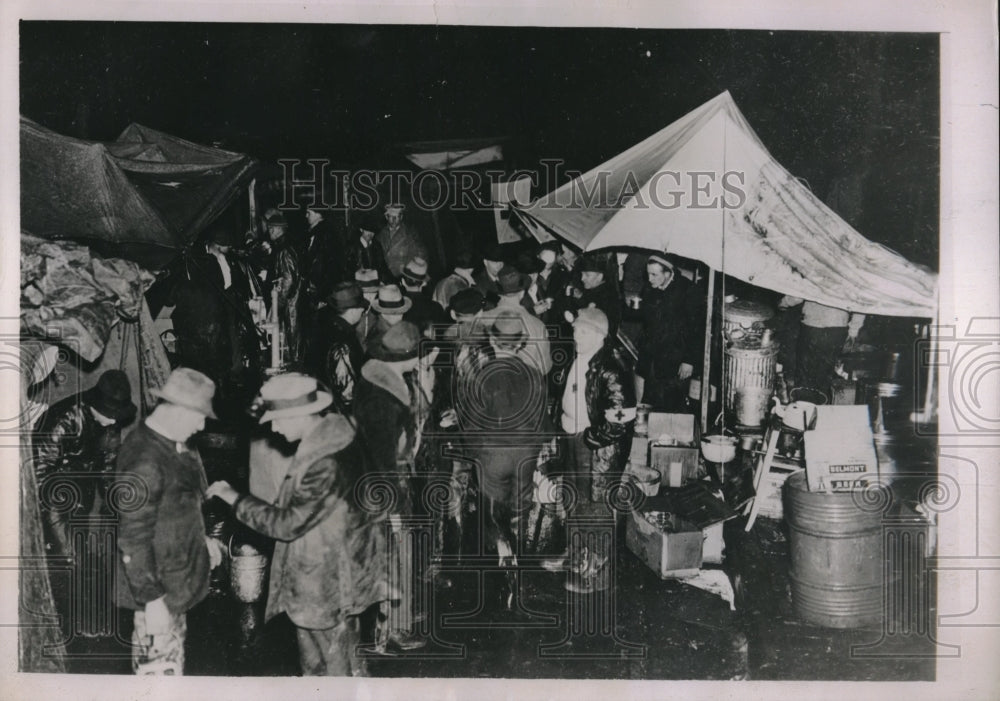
{"type": "Point", "coordinates": [165, 554]}
{"type": "Point", "coordinates": [79, 435]}
{"type": "Point", "coordinates": [487, 280]}
{"type": "Point", "coordinates": [329, 564]}
{"type": "Point", "coordinates": [598, 291]}
{"type": "Point", "coordinates": [501, 408]}
{"type": "Point", "coordinates": [395, 388]}
{"type": "Point", "coordinates": [399, 241]}
{"type": "Point", "coordinates": [363, 253]}
{"type": "Point", "coordinates": [424, 311]}
{"type": "Point", "coordinates": [333, 351]}
{"type": "Point", "coordinates": [322, 257]}
{"type": "Point", "coordinates": [673, 336]}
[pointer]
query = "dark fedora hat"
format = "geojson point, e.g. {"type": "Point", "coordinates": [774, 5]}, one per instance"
{"type": "Point", "coordinates": [347, 295]}
{"type": "Point", "coordinates": [592, 264]}
{"type": "Point", "coordinates": [467, 301]}
{"type": "Point", "coordinates": [511, 280]}
{"type": "Point", "coordinates": [494, 251]}
{"type": "Point", "coordinates": [112, 396]}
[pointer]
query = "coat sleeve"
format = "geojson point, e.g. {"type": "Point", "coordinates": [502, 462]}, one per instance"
{"type": "Point", "coordinates": [135, 534]}
{"type": "Point", "coordinates": [618, 393]}
{"type": "Point", "coordinates": [311, 501]}
{"type": "Point", "coordinates": [48, 445]}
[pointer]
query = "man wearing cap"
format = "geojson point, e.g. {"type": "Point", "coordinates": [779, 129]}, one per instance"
{"type": "Point", "coordinates": [391, 402]}
{"type": "Point", "coordinates": [673, 324]}
{"type": "Point", "coordinates": [501, 406]}
{"type": "Point", "coordinates": [535, 350]}
{"type": "Point", "coordinates": [165, 556]}
{"type": "Point", "coordinates": [329, 564]}
{"type": "Point", "coordinates": [597, 416]}
{"type": "Point", "coordinates": [79, 436]}
{"type": "Point", "coordinates": [423, 311]}
{"type": "Point", "coordinates": [333, 352]}
{"type": "Point", "coordinates": [459, 279]}
{"type": "Point", "coordinates": [389, 306]}
{"type": "Point", "coordinates": [400, 243]}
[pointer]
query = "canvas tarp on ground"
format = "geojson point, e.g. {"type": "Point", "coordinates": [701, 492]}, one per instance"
{"type": "Point", "coordinates": [142, 197]}
{"type": "Point", "coordinates": [706, 188]}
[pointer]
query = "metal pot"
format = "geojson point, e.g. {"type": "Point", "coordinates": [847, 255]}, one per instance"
{"type": "Point", "coordinates": [718, 448]}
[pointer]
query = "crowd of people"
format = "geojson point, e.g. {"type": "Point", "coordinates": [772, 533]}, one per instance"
{"type": "Point", "coordinates": [499, 379]}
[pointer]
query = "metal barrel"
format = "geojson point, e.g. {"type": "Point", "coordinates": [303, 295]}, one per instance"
{"type": "Point", "coordinates": [745, 315]}
{"type": "Point", "coordinates": [837, 554]}
{"type": "Point", "coordinates": [749, 382]}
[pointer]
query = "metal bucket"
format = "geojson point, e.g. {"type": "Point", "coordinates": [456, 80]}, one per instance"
{"type": "Point", "coordinates": [247, 573]}
{"type": "Point", "coordinates": [749, 382]}
{"type": "Point", "coordinates": [837, 557]}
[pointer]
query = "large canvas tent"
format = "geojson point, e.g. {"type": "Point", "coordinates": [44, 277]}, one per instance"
{"type": "Point", "coordinates": [142, 197]}
{"type": "Point", "coordinates": [706, 188]}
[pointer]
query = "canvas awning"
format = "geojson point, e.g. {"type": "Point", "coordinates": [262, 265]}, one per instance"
{"type": "Point", "coordinates": [143, 197]}
{"type": "Point", "coordinates": [706, 188]}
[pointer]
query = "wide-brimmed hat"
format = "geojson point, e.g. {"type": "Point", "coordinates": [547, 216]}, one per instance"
{"type": "Point", "coordinates": [511, 280]}
{"type": "Point", "coordinates": [528, 263]}
{"type": "Point", "coordinates": [467, 301]}
{"type": "Point", "coordinates": [415, 270]}
{"type": "Point", "coordinates": [292, 394]}
{"type": "Point", "coordinates": [112, 396]}
{"type": "Point", "coordinates": [347, 295]}
{"type": "Point", "coordinates": [508, 327]}
{"type": "Point", "coordinates": [403, 341]}
{"type": "Point", "coordinates": [391, 301]}
{"type": "Point", "coordinates": [367, 279]}
{"type": "Point", "coordinates": [394, 207]}
{"type": "Point", "coordinates": [190, 389]}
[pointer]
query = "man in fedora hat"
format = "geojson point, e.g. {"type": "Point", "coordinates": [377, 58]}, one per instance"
{"type": "Point", "coordinates": [535, 349]}
{"type": "Point", "coordinates": [333, 351]}
{"type": "Point", "coordinates": [501, 409]}
{"type": "Point", "coordinates": [389, 306]}
{"type": "Point", "coordinates": [165, 556]}
{"type": "Point", "coordinates": [423, 312]}
{"type": "Point", "coordinates": [285, 273]}
{"type": "Point", "coordinates": [329, 564]}
{"type": "Point", "coordinates": [399, 242]}
{"type": "Point", "coordinates": [78, 440]}
{"type": "Point", "coordinates": [487, 280]}
{"type": "Point", "coordinates": [391, 403]}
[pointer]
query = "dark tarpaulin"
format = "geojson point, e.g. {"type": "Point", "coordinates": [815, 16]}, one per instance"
{"type": "Point", "coordinates": [143, 197]}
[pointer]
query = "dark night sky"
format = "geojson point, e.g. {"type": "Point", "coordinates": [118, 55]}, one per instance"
{"type": "Point", "coordinates": [827, 105]}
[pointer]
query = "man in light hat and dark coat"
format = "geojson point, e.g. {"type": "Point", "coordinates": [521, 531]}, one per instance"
{"type": "Point", "coordinates": [165, 556]}
{"type": "Point", "coordinates": [502, 412]}
{"type": "Point", "coordinates": [333, 351]}
{"type": "Point", "coordinates": [459, 279]}
{"type": "Point", "coordinates": [79, 434]}
{"type": "Point", "coordinates": [535, 350]}
{"type": "Point", "coordinates": [391, 404]}
{"type": "Point", "coordinates": [329, 564]}
{"type": "Point", "coordinates": [389, 306]}
{"type": "Point", "coordinates": [400, 243]}
{"type": "Point", "coordinates": [423, 312]}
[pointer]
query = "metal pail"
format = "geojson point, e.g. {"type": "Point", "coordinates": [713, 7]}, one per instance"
{"type": "Point", "coordinates": [247, 573]}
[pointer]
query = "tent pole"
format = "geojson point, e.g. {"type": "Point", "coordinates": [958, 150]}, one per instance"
{"type": "Point", "coordinates": [706, 375]}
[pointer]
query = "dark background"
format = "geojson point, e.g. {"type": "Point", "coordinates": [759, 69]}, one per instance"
{"type": "Point", "coordinates": [857, 109]}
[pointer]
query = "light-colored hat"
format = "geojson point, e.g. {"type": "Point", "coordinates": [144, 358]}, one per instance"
{"type": "Point", "coordinates": [367, 279]}
{"type": "Point", "coordinates": [190, 389]}
{"type": "Point", "coordinates": [508, 327]}
{"type": "Point", "coordinates": [292, 394]}
{"type": "Point", "coordinates": [416, 270]}
{"type": "Point", "coordinates": [391, 301]}
{"type": "Point", "coordinates": [394, 207]}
